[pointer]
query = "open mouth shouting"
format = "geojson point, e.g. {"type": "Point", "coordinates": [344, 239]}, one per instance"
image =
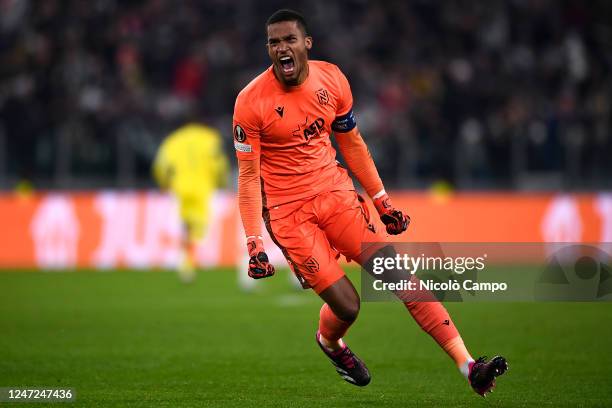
{"type": "Point", "coordinates": [287, 65]}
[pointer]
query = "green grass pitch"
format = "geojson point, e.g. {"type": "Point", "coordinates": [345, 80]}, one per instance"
{"type": "Point", "coordinates": [133, 339]}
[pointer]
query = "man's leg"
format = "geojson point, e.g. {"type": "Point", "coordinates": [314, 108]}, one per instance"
{"type": "Point", "coordinates": [347, 228]}
{"type": "Point", "coordinates": [434, 319]}
{"type": "Point", "coordinates": [314, 262]}
{"type": "Point", "coordinates": [424, 307]}
{"type": "Point", "coordinates": [194, 212]}
{"type": "Point", "coordinates": [186, 266]}
{"type": "Point", "coordinates": [339, 311]}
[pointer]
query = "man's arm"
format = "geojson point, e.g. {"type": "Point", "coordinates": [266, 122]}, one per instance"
{"type": "Point", "coordinates": [250, 204]}
{"type": "Point", "coordinates": [359, 160]}
{"type": "Point", "coordinates": [248, 150]}
{"type": "Point", "coordinates": [161, 169]}
{"type": "Point", "coordinates": [360, 163]}
{"type": "Point", "coordinates": [249, 196]}
{"type": "Point", "coordinates": [221, 164]}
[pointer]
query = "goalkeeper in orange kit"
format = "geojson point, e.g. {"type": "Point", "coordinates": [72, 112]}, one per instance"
{"type": "Point", "coordinates": [288, 172]}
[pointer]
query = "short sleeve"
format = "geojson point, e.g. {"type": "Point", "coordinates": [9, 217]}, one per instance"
{"type": "Point", "coordinates": [246, 130]}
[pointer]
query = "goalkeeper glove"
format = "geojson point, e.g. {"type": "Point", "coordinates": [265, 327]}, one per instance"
{"type": "Point", "coordinates": [395, 220]}
{"type": "Point", "coordinates": [259, 265]}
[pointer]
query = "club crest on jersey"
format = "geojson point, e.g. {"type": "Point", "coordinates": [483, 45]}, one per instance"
{"type": "Point", "coordinates": [309, 130]}
{"type": "Point", "coordinates": [239, 134]}
{"type": "Point", "coordinates": [312, 265]}
{"type": "Point", "coordinates": [322, 96]}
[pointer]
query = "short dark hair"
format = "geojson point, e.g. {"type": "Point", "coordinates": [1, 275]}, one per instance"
{"type": "Point", "coordinates": [288, 15]}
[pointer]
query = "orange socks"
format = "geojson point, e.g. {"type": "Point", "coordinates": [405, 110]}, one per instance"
{"type": "Point", "coordinates": [431, 316]}
{"type": "Point", "coordinates": [330, 326]}
{"type": "Point", "coordinates": [434, 319]}
{"type": "Point", "coordinates": [456, 349]}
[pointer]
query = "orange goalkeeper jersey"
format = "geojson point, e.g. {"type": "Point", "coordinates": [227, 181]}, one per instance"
{"type": "Point", "coordinates": [289, 130]}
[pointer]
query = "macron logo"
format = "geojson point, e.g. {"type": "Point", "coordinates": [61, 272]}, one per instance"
{"type": "Point", "coordinates": [279, 110]}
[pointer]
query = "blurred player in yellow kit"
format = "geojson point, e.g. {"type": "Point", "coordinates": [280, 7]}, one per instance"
{"type": "Point", "coordinates": [191, 164]}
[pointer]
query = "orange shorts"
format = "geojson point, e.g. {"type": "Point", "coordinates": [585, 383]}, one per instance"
{"type": "Point", "coordinates": [320, 229]}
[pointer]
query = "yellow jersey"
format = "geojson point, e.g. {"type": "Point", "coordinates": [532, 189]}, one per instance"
{"type": "Point", "coordinates": [191, 161]}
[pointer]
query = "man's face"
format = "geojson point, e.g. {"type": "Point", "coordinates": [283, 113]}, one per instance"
{"type": "Point", "coordinates": [288, 49]}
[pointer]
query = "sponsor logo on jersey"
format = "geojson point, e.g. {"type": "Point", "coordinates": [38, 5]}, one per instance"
{"type": "Point", "coordinates": [280, 110]}
{"type": "Point", "coordinates": [239, 134]}
{"type": "Point", "coordinates": [309, 130]}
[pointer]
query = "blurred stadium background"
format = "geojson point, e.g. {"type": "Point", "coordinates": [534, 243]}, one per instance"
{"type": "Point", "coordinates": [490, 121]}
{"type": "Point", "coordinates": [497, 94]}
{"type": "Point", "coordinates": [511, 97]}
